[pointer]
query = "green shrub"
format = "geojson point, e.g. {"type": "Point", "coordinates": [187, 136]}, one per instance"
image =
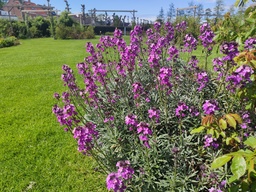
{"type": "Point", "coordinates": [89, 33]}
{"type": "Point", "coordinates": [9, 41]}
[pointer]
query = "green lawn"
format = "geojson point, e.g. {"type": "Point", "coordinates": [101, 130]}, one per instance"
{"type": "Point", "coordinates": [35, 153]}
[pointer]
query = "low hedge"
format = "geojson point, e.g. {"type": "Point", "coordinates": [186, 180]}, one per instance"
{"type": "Point", "coordinates": [8, 42]}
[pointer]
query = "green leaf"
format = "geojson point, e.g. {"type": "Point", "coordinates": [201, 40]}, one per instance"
{"type": "Point", "coordinates": [237, 117]}
{"type": "Point", "coordinates": [223, 134]}
{"type": "Point", "coordinates": [210, 131]}
{"type": "Point", "coordinates": [238, 167]}
{"type": "Point", "coordinates": [220, 161]}
{"type": "Point", "coordinates": [251, 141]}
{"type": "Point", "coordinates": [228, 140]}
{"type": "Point", "coordinates": [248, 106]}
{"type": "Point", "coordinates": [216, 134]}
{"type": "Point", "coordinates": [223, 124]}
{"type": "Point", "coordinates": [197, 130]}
{"type": "Point", "coordinates": [231, 121]}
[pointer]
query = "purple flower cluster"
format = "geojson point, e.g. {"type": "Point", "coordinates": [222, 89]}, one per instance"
{"type": "Point", "coordinates": [137, 90]}
{"type": "Point", "coordinates": [69, 78]}
{"type": "Point", "coordinates": [246, 120]}
{"type": "Point", "coordinates": [136, 34]}
{"type": "Point", "coordinates": [230, 49]}
{"type": "Point", "coordinates": [116, 180]}
{"type": "Point", "coordinates": [124, 169]}
{"type": "Point", "coordinates": [240, 77]}
{"type": "Point", "coordinates": [132, 121]}
{"type": "Point", "coordinates": [164, 76]}
{"type": "Point", "coordinates": [85, 136]}
{"type": "Point", "coordinates": [217, 64]}
{"type": "Point", "coordinates": [212, 189]}
{"type": "Point", "coordinates": [143, 130]}
{"type": "Point", "coordinates": [190, 43]}
{"type": "Point", "coordinates": [173, 53]}
{"type": "Point", "coordinates": [182, 110]}
{"type": "Point", "coordinates": [202, 80]}
{"type": "Point", "coordinates": [250, 43]}
{"type": "Point", "coordinates": [67, 115]}
{"type": "Point", "coordinates": [193, 62]}
{"type": "Point", "coordinates": [154, 114]}
{"type": "Point", "coordinates": [89, 80]}
{"type": "Point", "coordinates": [210, 142]}
{"type": "Point", "coordinates": [169, 31]}
{"type": "Point", "coordinates": [210, 106]}
{"type": "Point", "coordinates": [118, 33]}
{"type": "Point", "coordinates": [206, 36]}
{"type": "Point", "coordinates": [182, 26]}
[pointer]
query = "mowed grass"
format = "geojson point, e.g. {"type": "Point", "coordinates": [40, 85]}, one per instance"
{"type": "Point", "coordinates": [35, 153]}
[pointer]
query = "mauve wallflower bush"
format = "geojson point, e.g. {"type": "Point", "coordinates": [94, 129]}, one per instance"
{"type": "Point", "coordinates": [140, 103]}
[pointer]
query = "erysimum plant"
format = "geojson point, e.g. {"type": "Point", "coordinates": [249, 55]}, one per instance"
{"type": "Point", "coordinates": [138, 105]}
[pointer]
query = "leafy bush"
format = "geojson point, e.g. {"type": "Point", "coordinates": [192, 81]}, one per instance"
{"type": "Point", "coordinates": [152, 121]}
{"type": "Point", "coordinates": [89, 33]}
{"type": "Point", "coordinates": [8, 42]}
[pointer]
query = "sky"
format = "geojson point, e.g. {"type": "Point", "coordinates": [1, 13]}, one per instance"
{"type": "Point", "coordinates": [147, 9]}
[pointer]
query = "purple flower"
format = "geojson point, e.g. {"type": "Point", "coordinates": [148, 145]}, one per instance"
{"type": "Point", "coordinates": [204, 27]}
{"type": "Point", "coordinates": [222, 185]}
{"type": "Point", "coordinates": [202, 80]}
{"type": "Point", "coordinates": [56, 96]}
{"type": "Point", "coordinates": [137, 90]}
{"type": "Point", "coordinates": [173, 53]}
{"type": "Point", "coordinates": [214, 190]}
{"type": "Point", "coordinates": [206, 36]}
{"type": "Point", "coordinates": [164, 77]}
{"type": "Point", "coordinates": [154, 114]}
{"type": "Point", "coordinates": [169, 31]}
{"type": "Point", "coordinates": [157, 26]}
{"type": "Point", "coordinates": [193, 62]}
{"type": "Point", "coordinates": [230, 49]}
{"type": "Point", "coordinates": [181, 110]}
{"type": "Point", "coordinates": [240, 77]}
{"type": "Point", "coordinates": [210, 106]}
{"type": "Point", "coordinates": [85, 136]}
{"type": "Point", "coordinates": [131, 120]}
{"type": "Point", "coordinates": [69, 78]}
{"type": "Point", "coordinates": [250, 43]}
{"type": "Point", "coordinates": [217, 64]}
{"type": "Point", "coordinates": [190, 43]}
{"type": "Point", "coordinates": [124, 169]}
{"type": "Point", "coordinates": [118, 33]}
{"type": "Point", "coordinates": [143, 130]}
{"type": "Point", "coordinates": [115, 183]}
{"type": "Point", "coordinates": [182, 26]}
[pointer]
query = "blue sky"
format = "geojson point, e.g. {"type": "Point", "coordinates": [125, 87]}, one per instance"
{"type": "Point", "coordinates": [147, 9]}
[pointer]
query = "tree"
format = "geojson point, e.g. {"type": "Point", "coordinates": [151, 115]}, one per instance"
{"type": "Point", "coordinates": [219, 8]}
{"type": "Point", "coordinates": [231, 10]}
{"type": "Point", "coordinates": [200, 10]}
{"type": "Point", "coordinates": [171, 12]}
{"type": "Point", "coordinates": [190, 12]}
{"type": "Point", "coordinates": [208, 13]}
{"type": "Point", "coordinates": [160, 17]}
{"type": "Point", "coordinates": [2, 2]}
{"type": "Point", "coordinates": [66, 20]}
